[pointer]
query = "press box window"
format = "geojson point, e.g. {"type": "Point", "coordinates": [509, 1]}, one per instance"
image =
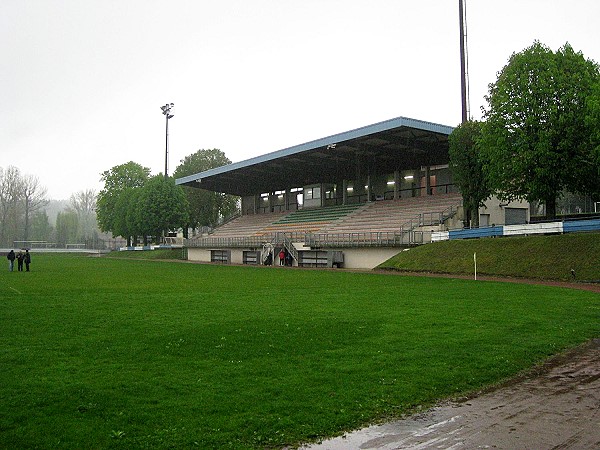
{"type": "Point", "coordinates": [312, 193]}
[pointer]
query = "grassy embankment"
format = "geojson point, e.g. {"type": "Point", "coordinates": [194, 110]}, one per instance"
{"type": "Point", "coordinates": [538, 257]}
{"type": "Point", "coordinates": [112, 353]}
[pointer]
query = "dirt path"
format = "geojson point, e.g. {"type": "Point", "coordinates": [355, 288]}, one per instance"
{"type": "Point", "coordinates": [558, 407]}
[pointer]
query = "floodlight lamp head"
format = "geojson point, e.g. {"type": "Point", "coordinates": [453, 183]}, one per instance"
{"type": "Point", "coordinates": [166, 109]}
{"type": "Point", "coordinates": [170, 116]}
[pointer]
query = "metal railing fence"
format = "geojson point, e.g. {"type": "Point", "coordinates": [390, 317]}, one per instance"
{"type": "Point", "coordinates": [315, 240]}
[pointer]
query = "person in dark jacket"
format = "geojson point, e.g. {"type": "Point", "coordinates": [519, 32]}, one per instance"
{"type": "Point", "coordinates": [20, 257]}
{"type": "Point", "coordinates": [27, 260]}
{"type": "Point", "coordinates": [11, 260]}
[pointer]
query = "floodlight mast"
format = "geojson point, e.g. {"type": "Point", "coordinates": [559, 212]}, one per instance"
{"type": "Point", "coordinates": [464, 86]}
{"type": "Point", "coordinates": [166, 110]}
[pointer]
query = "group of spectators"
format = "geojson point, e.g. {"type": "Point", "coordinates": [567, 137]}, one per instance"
{"type": "Point", "coordinates": [285, 258]}
{"type": "Point", "coordinates": [22, 258]}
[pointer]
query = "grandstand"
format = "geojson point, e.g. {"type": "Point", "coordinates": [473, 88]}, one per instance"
{"type": "Point", "coordinates": [349, 200]}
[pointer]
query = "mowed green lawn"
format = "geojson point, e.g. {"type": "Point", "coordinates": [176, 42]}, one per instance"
{"type": "Point", "coordinates": [99, 352]}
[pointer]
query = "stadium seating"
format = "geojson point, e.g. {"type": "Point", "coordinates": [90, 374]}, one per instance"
{"type": "Point", "coordinates": [391, 215]}
{"type": "Point", "coordinates": [248, 225]}
{"type": "Point", "coordinates": [311, 220]}
{"type": "Point", "coordinates": [379, 216]}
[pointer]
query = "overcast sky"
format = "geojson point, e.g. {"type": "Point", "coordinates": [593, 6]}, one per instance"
{"type": "Point", "coordinates": [82, 81]}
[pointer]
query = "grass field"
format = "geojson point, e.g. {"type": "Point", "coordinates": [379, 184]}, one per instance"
{"type": "Point", "coordinates": [111, 353]}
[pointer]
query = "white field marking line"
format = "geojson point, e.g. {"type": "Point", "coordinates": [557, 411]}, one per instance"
{"type": "Point", "coordinates": [18, 292]}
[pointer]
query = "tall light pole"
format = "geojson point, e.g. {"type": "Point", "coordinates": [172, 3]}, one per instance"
{"type": "Point", "coordinates": [166, 110]}
{"type": "Point", "coordinates": [464, 87]}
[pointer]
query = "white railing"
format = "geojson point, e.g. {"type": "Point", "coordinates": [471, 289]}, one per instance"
{"type": "Point", "coordinates": [365, 239]}
{"type": "Point", "coordinates": [400, 238]}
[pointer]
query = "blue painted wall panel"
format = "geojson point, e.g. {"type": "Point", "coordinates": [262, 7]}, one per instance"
{"type": "Point", "coordinates": [475, 233]}
{"type": "Point", "coordinates": [581, 225]}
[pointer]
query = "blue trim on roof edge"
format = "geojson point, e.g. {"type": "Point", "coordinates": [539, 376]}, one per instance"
{"type": "Point", "coordinates": [323, 142]}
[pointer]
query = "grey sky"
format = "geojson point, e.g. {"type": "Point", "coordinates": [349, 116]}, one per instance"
{"type": "Point", "coordinates": [82, 81]}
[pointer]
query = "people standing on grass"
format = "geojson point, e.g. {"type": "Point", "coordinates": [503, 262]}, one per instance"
{"type": "Point", "coordinates": [21, 258]}
{"type": "Point", "coordinates": [11, 260]}
{"type": "Point", "coordinates": [20, 261]}
{"type": "Point", "coordinates": [27, 260]}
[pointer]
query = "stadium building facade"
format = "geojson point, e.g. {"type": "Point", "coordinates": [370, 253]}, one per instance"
{"type": "Point", "coordinates": [351, 200]}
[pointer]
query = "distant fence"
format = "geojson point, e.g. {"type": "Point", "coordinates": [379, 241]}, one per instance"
{"type": "Point", "coordinates": [34, 244]}
{"type": "Point", "coordinates": [519, 230]}
{"type": "Point", "coordinates": [59, 250]}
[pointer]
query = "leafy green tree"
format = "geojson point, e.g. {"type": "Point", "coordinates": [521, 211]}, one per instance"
{"type": "Point", "coordinates": [467, 168]}
{"type": "Point", "coordinates": [206, 208]}
{"type": "Point", "coordinates": [161, 206]}
{"type": "Point", "coordinates": [118, 181]}
{"type": "Point", "coordinates": [593, 122]}
{"type": "Point", "coordinates": [535, 139]}
{"type": "Point", "coordinates": [126, 207]}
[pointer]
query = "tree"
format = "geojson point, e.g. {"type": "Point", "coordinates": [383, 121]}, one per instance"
{"type": "Point", "coordinates": [84, 205]}
{"type": "Point", "coordinates": [21, 196]}
{"type": "Point", "coordinates": [34, 198]}
{"type": "Point", "coordinates": [66, 228]}
{"type": "Point", "coordinates": [592, 120]}
{"type": "Point", "coordinates": [467, 168]}
{"type": "Point", "coordinates": [10, 194]}
{"type": "Point", "coordinates": [117, 181]}
{"type": "Point", "coordinates": [161, 206]}
{"type": "Point", "coordinates": [535, 139]}
{"type": "Point", "coordinates": [126, 210]}
{"type": "Point", "coordinates": [41, 230]}
{"type": "Point", "coordinates": [206, 208]}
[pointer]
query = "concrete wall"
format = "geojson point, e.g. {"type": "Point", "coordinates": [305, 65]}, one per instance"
{"type": "Point", "coordinates": [367, 258]}
{"type": "Point", "coordinates": [354, 258]}
{"type": "Point", "coordinates": [198, 254]}
{"type": "Point", "coordinates": [237, 256]}
{"type": "Point", "coordinates": [495, 208]}
{"type": "Point", "coordinates": [203, 255]}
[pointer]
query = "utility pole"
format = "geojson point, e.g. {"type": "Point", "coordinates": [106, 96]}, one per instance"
{"type": "Point", "coordinates": [166, 110]}
{"type": "Point", "coordinates": [463, 63]}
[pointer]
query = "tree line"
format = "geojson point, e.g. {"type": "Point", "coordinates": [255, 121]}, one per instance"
{"type": "Point", "coordinates": [133, 205]}
{"type": "Point", "coordinates": [23, 217]}
{"type": "Point", "coordinates": [540, 133]}
{"type": "Point", "coordinates": [21, 198]}
{"type": "Point", "coordinates": [140, 207]}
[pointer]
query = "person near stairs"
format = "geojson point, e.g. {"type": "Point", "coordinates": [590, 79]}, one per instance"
{"type": "Point", "coordinates": [282, 257]}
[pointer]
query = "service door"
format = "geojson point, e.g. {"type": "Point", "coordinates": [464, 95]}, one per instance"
{"type": "Point", "coordinates": [515, 216]}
